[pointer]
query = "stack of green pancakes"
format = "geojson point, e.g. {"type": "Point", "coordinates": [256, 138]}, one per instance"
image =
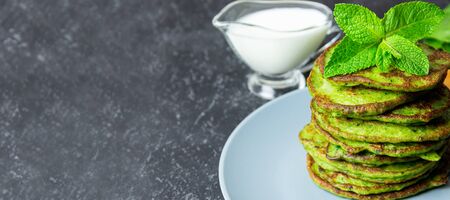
{"type": "Point", "coordinates": [376, 135]}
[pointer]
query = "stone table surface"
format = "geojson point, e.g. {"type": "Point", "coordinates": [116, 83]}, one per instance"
{"type": "Point", "coordinates": [111, 99]}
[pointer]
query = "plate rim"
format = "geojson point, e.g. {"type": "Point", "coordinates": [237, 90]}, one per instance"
{"type": "Point", "coordinates": [233, 134]}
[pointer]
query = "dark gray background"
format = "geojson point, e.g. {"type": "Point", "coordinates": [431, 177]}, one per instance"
{"type": "Point", "coordinates": [117, 99]}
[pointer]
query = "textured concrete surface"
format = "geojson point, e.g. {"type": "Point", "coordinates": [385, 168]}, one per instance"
{"type": "Point", "coordinates": [111, 99]}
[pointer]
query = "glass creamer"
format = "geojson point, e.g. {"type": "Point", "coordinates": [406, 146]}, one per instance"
{"type": "Point", "coordinates": [275, 38]}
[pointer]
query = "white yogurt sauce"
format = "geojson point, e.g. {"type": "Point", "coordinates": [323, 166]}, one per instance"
{"type": "Point", "coordinates": [280, 45]}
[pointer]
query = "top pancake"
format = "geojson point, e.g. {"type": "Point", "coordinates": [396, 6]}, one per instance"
{"type": "Point", "coordinates": [394, 80]}
{"type": "Point", "coordinates": [354, 101]}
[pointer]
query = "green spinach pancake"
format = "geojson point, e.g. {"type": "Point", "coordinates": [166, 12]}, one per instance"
{"type": "Point", "coordinates": [316, 146]}
{"type": "Point", "coordinates": [394, 80]}
{"type": "Point", "coordinates": [424, 150]}
{"type": "Point", "coordinates": [429, 106]}
{"type": "Point", "coordinates": [344, 182]}
{"type": "Point", "coordinates": [355, 188]}
{"type": "Point", "coordinates": [354, 101]}
{"type": "Point", "coordinates": [375, 131]}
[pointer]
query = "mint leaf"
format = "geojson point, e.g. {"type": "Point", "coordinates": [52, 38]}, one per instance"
{"type": "Point", "coordinates": [383, 59]}
{"type": "Point", "coordinates": [442, 32]}
{"type": "Point", "coordinates": [440, 38]}
{"type": "Point", "coordinates": [349, 57]}
{"type": "Point", "coordinates": [412, 20]}
{"type": "Point", "coordinates": [358, 23]}
{"type": "Point", "coordinates": [410, 58]}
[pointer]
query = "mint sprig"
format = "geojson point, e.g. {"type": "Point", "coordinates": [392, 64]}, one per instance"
{"type": "Point", "coordinates": [386, 43]}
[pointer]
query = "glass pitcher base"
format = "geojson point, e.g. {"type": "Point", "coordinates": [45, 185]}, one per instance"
{"type": "Point", "coordinates": [270, 87]}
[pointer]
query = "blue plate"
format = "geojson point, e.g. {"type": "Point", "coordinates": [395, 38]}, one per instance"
{"type": "Point", "coordinates": [263, 158]}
